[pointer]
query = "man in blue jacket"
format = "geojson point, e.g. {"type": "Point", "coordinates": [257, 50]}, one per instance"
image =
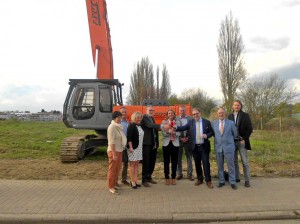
{"type": "Point", "coordinates": [224, 131]}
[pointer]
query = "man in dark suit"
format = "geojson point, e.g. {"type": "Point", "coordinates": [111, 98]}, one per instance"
{"type": "Point", "coordinates": [150, 145]}
{"type": "Point", "coordinates": [244, 129]}
{"type": "Point", "coordinates": [199, 131]}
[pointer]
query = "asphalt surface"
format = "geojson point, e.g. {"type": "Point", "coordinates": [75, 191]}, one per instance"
{"type": "Point", "coordinates": [268, 200]}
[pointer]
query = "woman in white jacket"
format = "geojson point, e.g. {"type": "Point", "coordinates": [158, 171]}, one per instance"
{"type": "Point", "coordinates": [116, 144]}
{"type": "Point", "coordinates": [170, 146]}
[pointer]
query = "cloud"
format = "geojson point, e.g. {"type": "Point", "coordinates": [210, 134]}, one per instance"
{"type": "Point", "coordinates": [291, 3]}
{"type": "Point", "coordinates": [12, 91]}
{"type": "Point", "coordinates": [265, 44]}
{"type": "Point", "coordinates": [288, 72]}
{"type": "Point", "coordinates": [291, 71]}
{"type": "Point", "coordinates": [31, 98]}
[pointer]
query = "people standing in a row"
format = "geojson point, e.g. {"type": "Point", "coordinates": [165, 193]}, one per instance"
{"type": "Point", "coordinates": [231, 136]}
{"type": "Point", "coordinates": [224, 131]}
{"type": "Point", "coordinates": [116, 144]}
{"type": "Point", "coordinates": [135, 135]}
{"type": "Point", "coordinates": [244, 129]}
{"type": "Point", "coordinates": [170, 147]}
{"type": "Point", "coordinates": [124, 123]}
{"type": "Point", "coordinates": [183, 119]}
{"type": "Point", "coordinates": [150, 145]}
{"type": "Point", "coordinates": [199, 131]}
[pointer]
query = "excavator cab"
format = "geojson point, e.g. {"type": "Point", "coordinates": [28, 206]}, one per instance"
{"type": "Point", "coordinates": [88, 105]}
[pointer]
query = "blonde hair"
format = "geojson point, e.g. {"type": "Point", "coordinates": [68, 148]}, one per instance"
{"type": "Point", "coordinates": [135, 115]}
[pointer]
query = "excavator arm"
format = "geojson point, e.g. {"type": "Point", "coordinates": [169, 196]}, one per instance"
{"type": "Point", "coordinates": [100, 38]}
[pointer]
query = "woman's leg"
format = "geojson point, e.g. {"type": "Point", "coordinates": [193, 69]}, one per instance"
{"type": "Point", "coordinates": [111, 174]}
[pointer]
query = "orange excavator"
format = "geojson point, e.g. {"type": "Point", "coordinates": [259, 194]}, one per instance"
{"type": "Point", "coordinates": [90, 102]}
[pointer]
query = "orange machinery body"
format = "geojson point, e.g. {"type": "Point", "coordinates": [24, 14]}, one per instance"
{"type": "Point", "coordinates": [160, 111]}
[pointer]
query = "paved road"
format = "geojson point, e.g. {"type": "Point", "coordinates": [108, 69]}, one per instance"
{"type": "Point", "coordinates": [88, 201]}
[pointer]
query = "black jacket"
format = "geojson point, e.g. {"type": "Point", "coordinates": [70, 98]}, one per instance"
{"type": "Point", "coordinates": [150, 131]}
{"type": "Point", "coordinates": [133, 135]}
{"type": "Point", "coordinates": [244, 127]}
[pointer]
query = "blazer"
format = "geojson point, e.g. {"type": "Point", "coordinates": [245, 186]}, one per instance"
{"type": "Point", "coordinates": [150, 131]}
{"type": "Point", "coordinates": [244, 127]}
{"type": "Point", "coordinates": [224, 142]}
{"type": "Point", "coordinates": [191, 128]}
{"type": "Point", "coordinates": [133, 135]}
{"type": "Point", "coordinates": [167, 135]}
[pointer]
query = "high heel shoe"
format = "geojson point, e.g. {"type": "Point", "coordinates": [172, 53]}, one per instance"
{"type": "Point", "coordinates": [133, 186]}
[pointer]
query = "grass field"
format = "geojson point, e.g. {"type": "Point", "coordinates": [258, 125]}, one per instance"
{"type": "Point", "coordinates": [272, 151]}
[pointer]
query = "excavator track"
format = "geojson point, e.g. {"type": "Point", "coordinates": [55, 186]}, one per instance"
{"type": "Point", "coordinates": [71, 149]}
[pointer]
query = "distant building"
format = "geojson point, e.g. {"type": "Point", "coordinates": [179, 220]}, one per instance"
{"type": "Point", "coordinates": [41, 116]}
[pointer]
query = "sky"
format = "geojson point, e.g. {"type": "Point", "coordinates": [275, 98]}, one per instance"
{"type": "Point", "coordinates": [44, 43]}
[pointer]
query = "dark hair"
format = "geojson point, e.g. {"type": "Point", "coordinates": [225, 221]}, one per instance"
{"type": "Point", "coordinates": [116, 114]}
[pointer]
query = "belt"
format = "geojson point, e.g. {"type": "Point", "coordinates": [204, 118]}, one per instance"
{"type": "Point", "coordinates": [198, 145]}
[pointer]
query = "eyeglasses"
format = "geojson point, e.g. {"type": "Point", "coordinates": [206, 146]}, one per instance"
{"type": "Point", "coordinates": [151, 110]}
{"type": "Point", "coordinates": [195, 114]}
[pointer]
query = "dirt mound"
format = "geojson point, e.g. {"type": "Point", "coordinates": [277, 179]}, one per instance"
{"type": "Point", "coordinates": [29, 169]}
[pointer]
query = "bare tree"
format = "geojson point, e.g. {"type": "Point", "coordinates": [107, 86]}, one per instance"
{"type": "Point", "coordinates": [165, 88]}
{"type": "Point", "coordinates": [262, 97]}
{"type": "Point", "coordinates": [231, 65]}
{"type": "Point", "coordinates": [142, 82]}
{"type": "Point", "coordinates": [198, 98]}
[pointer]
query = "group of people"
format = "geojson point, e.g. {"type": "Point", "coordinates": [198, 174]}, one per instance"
{"type": "Point", "coordinates": [137, 141]}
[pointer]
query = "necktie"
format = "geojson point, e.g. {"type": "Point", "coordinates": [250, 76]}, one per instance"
{"type": "Point", "coordinates": [222, 127]}
{"type": "Point", "coordinates": [199, 134]}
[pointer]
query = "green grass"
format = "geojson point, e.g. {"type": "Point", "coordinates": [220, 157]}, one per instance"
{"type": "Point", "coordinates": [40, 140]}
{"type": "Point", "coordinates": [275, 146]}
{"type": "Point", "coordinates": [35, 140]}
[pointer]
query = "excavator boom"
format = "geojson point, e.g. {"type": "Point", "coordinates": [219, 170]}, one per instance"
{"type": "Point", "coordinates": [100, 38]}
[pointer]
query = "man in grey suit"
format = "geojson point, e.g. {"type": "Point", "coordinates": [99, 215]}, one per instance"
{"type": "Point", "coordinates": [184, 144]}
{"type": "Point", "coordinates": [224, 131]}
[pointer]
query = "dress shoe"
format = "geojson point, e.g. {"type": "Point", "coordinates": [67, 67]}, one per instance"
{"type": "Point", "coordinates": [233, 186]}
{"type": "Point", "coordinates": [179, 177]}
{"type": "Point", "coordinates": [247, 183]}
{"type": "Point", "coordinates": [117, 188]}
{"type": "Point", "coordinates": [138, 185]}
{"type": "Point", "coordinates": [237, 180]}
{"type": "Point", "coordinates": [221, 184]}
{"type": "Point", "coordinates": [209, 185]}
{"type": "Point", "coordinates": [173, 181]}
{"type": "Point", "coordinates": [191, 178]}
{"type": "Point", "coordinates": [198, 182]}
{"type": "Point", "coordinates": [113, 191]}
{"type": "Point", "coordinates": [145, 184]}
{"type": "Point", "coordinates": [125, 182]}
{"type": "Point", "coordinates": [168, 182]}
{"type": "Point", "coordinates": [152, 181]}
{"type": "Point", "coordinates": [133, 186]}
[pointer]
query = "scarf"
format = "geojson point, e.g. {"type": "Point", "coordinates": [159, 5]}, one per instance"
{"type": "Point", "coordinates": [119, 127]}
